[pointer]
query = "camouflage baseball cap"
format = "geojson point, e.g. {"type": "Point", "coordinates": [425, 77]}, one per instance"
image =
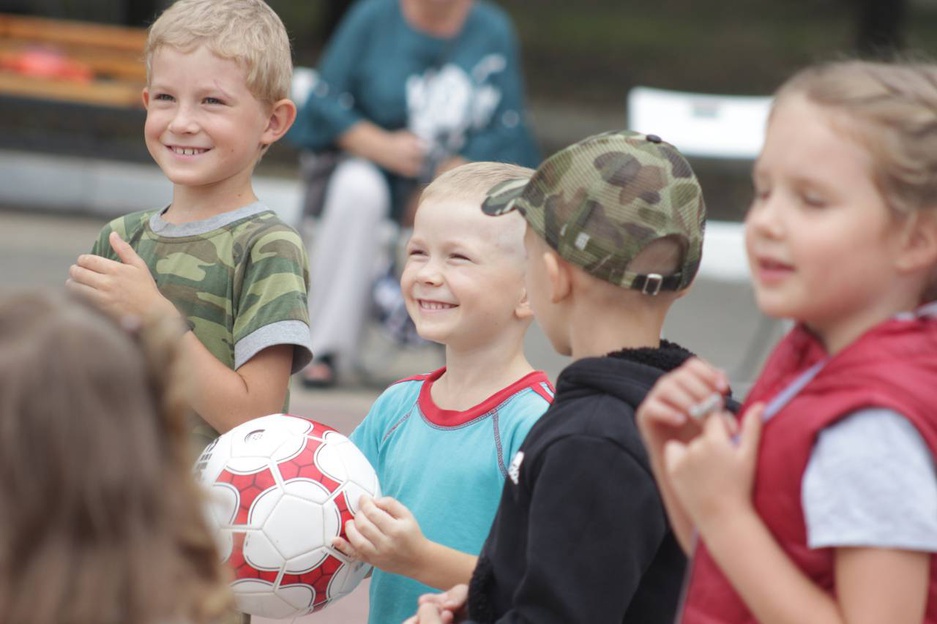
{"type": "Point", "coordinates": [600, 201]}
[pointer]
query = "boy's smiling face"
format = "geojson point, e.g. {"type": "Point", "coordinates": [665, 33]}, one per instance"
{"type": "Point", "coordinates": [204, 128]}
{"type": "Point", "coordinates": [464, 277]}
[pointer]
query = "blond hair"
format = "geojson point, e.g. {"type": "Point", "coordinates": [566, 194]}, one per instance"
{"type": "Point", "coordinates": [472, 181]}
{"type": "Point", "coordinates": [100, 519]}
{"type": "Point", "coordinates": [893, 110]}
{"type": "Point", "coordinates": [248, 32]}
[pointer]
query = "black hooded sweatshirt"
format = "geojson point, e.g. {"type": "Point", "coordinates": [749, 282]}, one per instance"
{"type": "Point", "coordinates": [581, 534]}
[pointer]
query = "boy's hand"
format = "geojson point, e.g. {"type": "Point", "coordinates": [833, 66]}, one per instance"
{"type": "Point", "coordinates": [675, 407]}
{"type": "Point", "coordinates": [386, 535]}
{"type": "Point", "coordinates": [341, 545]}
{"type": "Point", "coordinates": [121, 289]}
{"type": "Point", "coordinates": [447, 607]}
{"type": "Point", "coordinates": [713, 474]}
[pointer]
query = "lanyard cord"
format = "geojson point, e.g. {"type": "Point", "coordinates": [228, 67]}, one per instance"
{"type": "Point", "coordinates": [784, 397]}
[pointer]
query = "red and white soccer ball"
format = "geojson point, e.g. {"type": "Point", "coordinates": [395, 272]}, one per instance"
{"type": "Point", "coordinates": [280, 488]}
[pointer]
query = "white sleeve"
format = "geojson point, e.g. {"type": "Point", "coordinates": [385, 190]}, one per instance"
{"type": "Point", "coordinates": [871, 481]}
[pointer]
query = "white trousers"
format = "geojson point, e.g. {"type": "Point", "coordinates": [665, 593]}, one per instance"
{"type": "Point", "coordinates": [343, 254]}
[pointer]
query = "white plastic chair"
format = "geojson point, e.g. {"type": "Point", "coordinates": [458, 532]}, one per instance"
{"type": "Point", "coordinates": [709, 126]}
{"type": "Point", "coordinates": [720, 310]}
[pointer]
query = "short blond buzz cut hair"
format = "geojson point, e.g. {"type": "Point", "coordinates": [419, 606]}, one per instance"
{"type": "Point", "coordinates": [248, 32]}
{"type": "Point", "coordinates": [472, 181]}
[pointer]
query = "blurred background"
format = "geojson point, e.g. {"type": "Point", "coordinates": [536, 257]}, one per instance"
{"type": "Point", "coordinates": [580, 60]}
{"type": "Point", "coordinates": [73, 156]}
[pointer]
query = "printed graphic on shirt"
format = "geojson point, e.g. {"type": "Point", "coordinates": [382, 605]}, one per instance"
{"type": "Point", "coordinates": [514, 470]}
{"type": "Point", "coordinates": [444, 104]}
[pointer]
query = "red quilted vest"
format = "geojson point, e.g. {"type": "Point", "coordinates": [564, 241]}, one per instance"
{"type": "Point", "coordinates": [894, 366]}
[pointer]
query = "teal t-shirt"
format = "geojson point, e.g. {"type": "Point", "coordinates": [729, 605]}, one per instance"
{"type": "Point", "coordinates": [446, 467]}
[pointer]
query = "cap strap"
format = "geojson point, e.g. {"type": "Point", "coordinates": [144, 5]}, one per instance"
{"type": "Point", "coordinates": [653, 283]}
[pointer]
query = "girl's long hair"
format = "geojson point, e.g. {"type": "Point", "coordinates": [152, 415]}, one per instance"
{"type": "Point", "coordinates": [100, 520]}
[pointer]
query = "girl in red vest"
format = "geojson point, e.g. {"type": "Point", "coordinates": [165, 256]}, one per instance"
{"type": "Point", "coordinates": [822, 505]}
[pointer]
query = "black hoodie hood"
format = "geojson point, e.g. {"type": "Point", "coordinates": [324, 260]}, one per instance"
{"type": "Point", "coordinates": [626, 374]}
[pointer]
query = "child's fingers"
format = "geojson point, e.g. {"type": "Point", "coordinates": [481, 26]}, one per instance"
{"type": "Point", "coordinates": [342, 546]}
{"type": "Point", "coordinates": [374, 520]}
{"type": "Point", "coordinates": [688, 385]}
{"type": "Point", "coordinates": [750, 434]}
{"type": "Point", "coordinates": [83, 275]}
{"type": "Point", "coordinates": [667, 402]}
{"type": "Point", "coordinates": [126, 253]}
{"type": "Point", "coordinates": [672, 403]}
{"type": "Point", "coordinates": [392, 507]}
{"type": "Point", "coordinates": [455, 598]}
{"type": "Point", "coordinates": [432, 598]}
{"type": "Point", "coordinates": [707, 374]}
{"type": "Point", "coordinates": [702, 394]}
{"type": "Point", "coordinates": [357, 540]}
{"type": "Point", "coordinates": [429, 614]}
{"type": "Point", "coordinates": [698, 380]}
{"type": "Point", "coordinates": [711, 404]}
{"type": "Point", "coordinates": [715, 431]}
{"type": "Point", "coordinates": [654, 410]}
{"type": "Point", "coordinates": [674, 454]}
{"type": "Point", "coordinates": [80, 288]}
{"type": "Point", "coordinates": [97, 264]}
{"type": "Point", "coordinates": [361, 501]}
{"type": "Point", "coordinates": [730, 421]}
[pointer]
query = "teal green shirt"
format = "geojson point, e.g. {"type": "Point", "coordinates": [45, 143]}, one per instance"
{"type": "Point", "coordinates": [446, 467]}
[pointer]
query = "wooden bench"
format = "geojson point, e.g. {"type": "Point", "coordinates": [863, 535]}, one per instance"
{"type": "Point", "coordinates": [105, 63]}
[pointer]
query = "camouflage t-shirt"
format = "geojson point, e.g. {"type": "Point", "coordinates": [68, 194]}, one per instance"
{"type": "Point", "coordinates": [239, 278]}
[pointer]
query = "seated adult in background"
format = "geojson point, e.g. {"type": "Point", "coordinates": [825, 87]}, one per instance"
{"type": "Point", "coordinates": [406, 89]}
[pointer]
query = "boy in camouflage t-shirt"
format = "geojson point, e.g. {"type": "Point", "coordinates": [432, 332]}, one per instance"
{"type": "Point", "coordinates": [219, 74]}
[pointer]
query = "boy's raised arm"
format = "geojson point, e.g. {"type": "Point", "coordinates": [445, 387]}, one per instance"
{"type": "Point", "coordinates": [223, 397]}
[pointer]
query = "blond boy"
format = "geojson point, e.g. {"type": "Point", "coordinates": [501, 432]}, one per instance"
{"type": "Point", "coordinates": [441, 442]}
{"type": "Point", "coordinates": [218, 76]}
{"type": "Point", "coordinates": [614, 237]}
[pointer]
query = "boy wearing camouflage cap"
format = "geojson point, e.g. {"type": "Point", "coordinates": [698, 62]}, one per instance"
{"type": "Point", "coordinates": [614, 237]}
{"type": "Point", "coordinates": [218, 79]}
